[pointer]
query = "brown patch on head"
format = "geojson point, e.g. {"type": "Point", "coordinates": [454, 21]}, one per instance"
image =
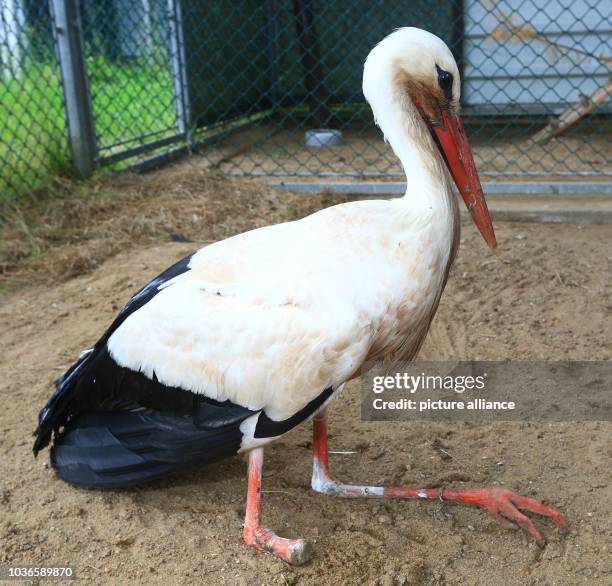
{"type": "Point", "coordinates": [428, 98]}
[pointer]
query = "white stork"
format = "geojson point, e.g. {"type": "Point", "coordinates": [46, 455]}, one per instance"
{"type": "Point", "coordinates": [233, 346]}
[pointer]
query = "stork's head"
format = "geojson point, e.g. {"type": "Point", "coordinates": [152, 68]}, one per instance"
{"type": "Point", "coordinates": [412, 83]}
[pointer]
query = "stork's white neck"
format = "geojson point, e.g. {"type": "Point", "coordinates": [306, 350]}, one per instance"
{"type": "Point", "coordinates": [426, 175]}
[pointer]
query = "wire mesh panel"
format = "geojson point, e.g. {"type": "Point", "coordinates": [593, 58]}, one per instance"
{"type": "Point", "coordinates": [269, 71]}
{"type": "Point", "coordinates": [276, 69]}
{"type": "Point", "coordinates": [241, 83]}
{"type": "Point", "coordinates": [527, 63]}
{"type": "Point", "coordinates": [33, 142]}
{"type": "Point", "coordinates": [128, 58]}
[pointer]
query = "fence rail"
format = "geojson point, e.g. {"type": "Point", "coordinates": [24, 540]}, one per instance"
{"type": "Point", "coordinates": [97, 83]}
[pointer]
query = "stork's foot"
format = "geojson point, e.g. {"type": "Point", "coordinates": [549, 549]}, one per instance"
{"type": "Point", "coordinates": [502, 503]}
{"type": "Point", "coordinates": [294, 551]}
{"type": "Point", "coordinates": [506, 506]}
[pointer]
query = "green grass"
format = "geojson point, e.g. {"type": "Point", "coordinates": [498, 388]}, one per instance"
{"type": "Point", "coordinates": [129, 100]}
{"type": "Point", "coordinates": [33, 143]}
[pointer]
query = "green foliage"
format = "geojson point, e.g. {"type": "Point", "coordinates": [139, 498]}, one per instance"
{"type": "Point", "coordinates": [33, 143]}
{"type": "Point", "coordinates": [130, 99]}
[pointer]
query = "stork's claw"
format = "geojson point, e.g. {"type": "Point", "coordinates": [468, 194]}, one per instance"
{"type": "Point", "coordinates": [504, 505]}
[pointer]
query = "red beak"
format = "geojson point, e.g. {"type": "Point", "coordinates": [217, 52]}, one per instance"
{"type": "Point", "coordinates": [453, 143]}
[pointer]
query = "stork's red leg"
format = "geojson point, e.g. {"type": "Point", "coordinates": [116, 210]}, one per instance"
{"type": "Point", "coordinates": [294, 551]}
{"type": "Point", "coordinates": [503, 504]}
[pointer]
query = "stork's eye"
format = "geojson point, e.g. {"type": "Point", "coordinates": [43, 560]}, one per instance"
{"type": "Point", "coordinates": [445, 81]}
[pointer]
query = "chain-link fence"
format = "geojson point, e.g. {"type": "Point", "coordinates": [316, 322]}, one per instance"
{"type": "Point", "coordinates": [239, 83]}
{"type": "Point", "coordinates": [33, 134]}
{"type": "Point", "coordinates": [128, 56]}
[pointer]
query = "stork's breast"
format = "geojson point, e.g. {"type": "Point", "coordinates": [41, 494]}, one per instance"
{"type": "Point", "coordinates": [405, 321]}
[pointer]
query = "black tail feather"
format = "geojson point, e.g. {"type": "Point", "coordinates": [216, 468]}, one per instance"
{"type": "Point", "coordinates": [110, 449]}
{"type": "Point", "coordinates": [95, 382]}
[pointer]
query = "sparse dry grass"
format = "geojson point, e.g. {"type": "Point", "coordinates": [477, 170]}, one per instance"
{"type": "Point", "coordinates": [56, 235]}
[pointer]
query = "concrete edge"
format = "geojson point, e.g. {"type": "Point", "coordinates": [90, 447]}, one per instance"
{"type": "Point", "coordinates": [592, 188]}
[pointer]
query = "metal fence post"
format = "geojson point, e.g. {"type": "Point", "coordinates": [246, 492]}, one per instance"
{"type": "Point", "coordinates": [179, 70]}
{"type": "Point", "coordinates": [77, 100]}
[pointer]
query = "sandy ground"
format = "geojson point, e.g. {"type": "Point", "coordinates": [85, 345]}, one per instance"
{"type": "Point", "coordinates": [544, 295]}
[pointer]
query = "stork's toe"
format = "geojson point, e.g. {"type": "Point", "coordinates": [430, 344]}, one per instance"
{"type": "Point", "coordinates": [504, 505]}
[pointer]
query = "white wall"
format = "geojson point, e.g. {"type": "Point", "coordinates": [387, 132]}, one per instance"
{"type": "Point", "coordinates": [12, 37]}
{"type": "Point", "coordinates": [526, 68]}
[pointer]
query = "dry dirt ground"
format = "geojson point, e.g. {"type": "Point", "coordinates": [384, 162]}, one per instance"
{"type": "Point", "coordinates": [544, 295]}
{"type": "Point", "coordinates": [270, 149]}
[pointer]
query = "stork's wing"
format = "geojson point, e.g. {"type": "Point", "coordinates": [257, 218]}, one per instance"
{"type": "Point", "coordinates": [220, 338]}
{"type": "Point", "coordinates": [259, 353]}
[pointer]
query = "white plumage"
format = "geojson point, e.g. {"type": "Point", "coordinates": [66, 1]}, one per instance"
{"type": "Point", "coordinates": [271, 317]}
